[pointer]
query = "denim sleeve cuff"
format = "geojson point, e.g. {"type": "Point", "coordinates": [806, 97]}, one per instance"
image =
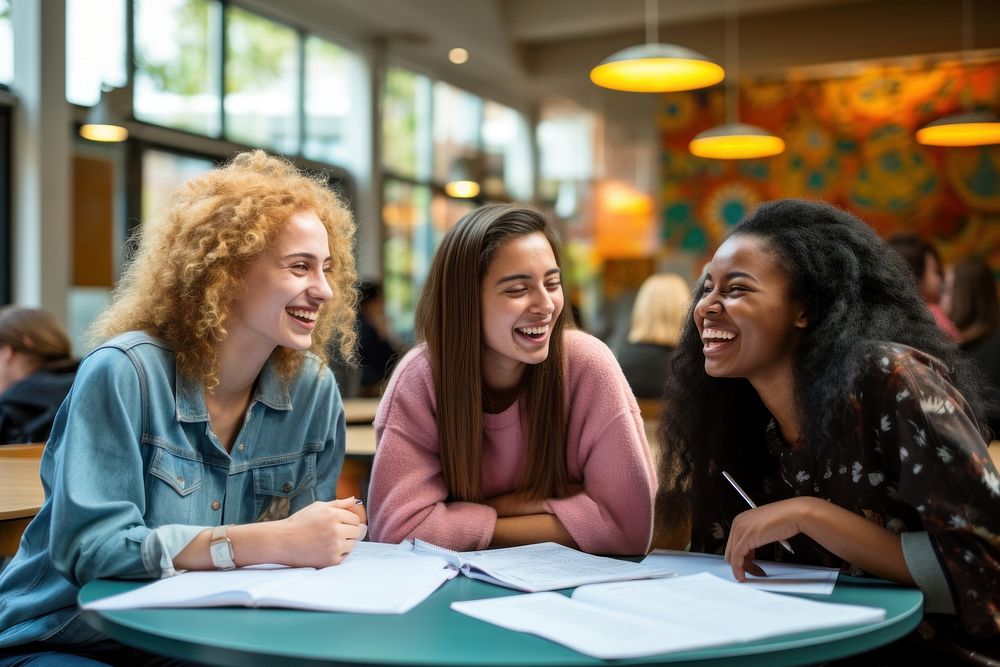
{"type": "Point", "coordinates": [927, 572]}
{"type": "Point", "coordinates": [162, 544]}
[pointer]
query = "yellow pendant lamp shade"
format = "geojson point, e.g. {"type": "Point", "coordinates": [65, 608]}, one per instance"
{"type": "Point", "coordinates": [464, 176]}
{"type": "Point", "coordinates": [102, 132]}
{"type": "Point", "coordinates": [966, 129]}
{"type": "Point", "coordinates": [736, 141]}
{"type": "Point", "coordinates": [104, 121]}
{"type": "Point", "coordinates": [462, 189]}
{"type": "Point", "coordinates": [656, 68]}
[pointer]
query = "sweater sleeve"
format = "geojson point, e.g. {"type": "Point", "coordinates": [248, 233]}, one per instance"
{"type": "Point", "coordinates": [407, 496]}
{"type": "Point", "coordinates": [607, 447]}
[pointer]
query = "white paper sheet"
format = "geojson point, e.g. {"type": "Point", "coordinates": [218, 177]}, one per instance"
{"type": "Point", "coordinates": [638, 618]}
{"type": "Point", "coordinates": [542, 567]}
{"type": "Point", "coordinates": [364, 585]}
{"type": "Point", "coordinates": [781, 577]}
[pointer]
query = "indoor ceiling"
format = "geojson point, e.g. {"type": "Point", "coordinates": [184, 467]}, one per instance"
{"type": "Point", "coordinates": [524, 50]}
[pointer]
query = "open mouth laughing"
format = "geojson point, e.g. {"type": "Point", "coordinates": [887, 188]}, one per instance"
{"type": "Point", "coordinates": [714, 339]}
{"type": "Point", "coordinates": [303, 316]}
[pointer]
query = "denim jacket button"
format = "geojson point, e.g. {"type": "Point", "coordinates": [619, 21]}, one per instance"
{"type": "Point", "coordinates": [242, 447]}
{"type": "Point", "coordinates": [180, 480]}
{"type": "Point", "coordinates": [287, 487]}
{"type": "Point", "coordinates": [216, 505]}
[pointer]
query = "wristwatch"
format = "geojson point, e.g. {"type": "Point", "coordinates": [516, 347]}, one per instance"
{"type": "Point", "coordinates": [221, 548]}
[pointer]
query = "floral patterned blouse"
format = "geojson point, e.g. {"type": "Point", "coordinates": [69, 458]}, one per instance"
{"type": "Point", "coordinates": [911, 459]}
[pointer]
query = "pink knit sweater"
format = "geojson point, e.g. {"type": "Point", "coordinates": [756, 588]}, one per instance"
{"type": "Point", "coordinates": [607, 453]}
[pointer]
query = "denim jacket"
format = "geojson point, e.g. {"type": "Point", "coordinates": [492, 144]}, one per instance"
{"type": "Point", "coordinates": [133, 472]}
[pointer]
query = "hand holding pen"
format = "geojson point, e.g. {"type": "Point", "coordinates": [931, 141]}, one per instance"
{"type": "Point", "coordinates": [753, 505]}
{"type": "Point", "coordinates": [750, 530]}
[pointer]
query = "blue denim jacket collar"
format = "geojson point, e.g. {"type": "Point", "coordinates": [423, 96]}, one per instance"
{"type": "Point", "coordinates": [270, 391]}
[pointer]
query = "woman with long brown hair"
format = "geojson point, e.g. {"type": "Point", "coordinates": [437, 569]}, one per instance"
{"type": "Point", "coordinates": [36, 371]}
{"type": "Point", "coordinates": [506, 427]}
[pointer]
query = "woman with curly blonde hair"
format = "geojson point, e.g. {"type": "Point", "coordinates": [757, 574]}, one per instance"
{"type": "Point", "coordinates": [209, 401]}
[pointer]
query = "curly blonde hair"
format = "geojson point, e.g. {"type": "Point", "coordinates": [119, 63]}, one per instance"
{"type": "Point", "coordinates": [191, 262]}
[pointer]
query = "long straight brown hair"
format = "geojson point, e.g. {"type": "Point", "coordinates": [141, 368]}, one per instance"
{"type": "Point", "coordinates": [448, 319]}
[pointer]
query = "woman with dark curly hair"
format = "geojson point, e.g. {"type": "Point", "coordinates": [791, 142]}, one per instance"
{"type": "Point", "coordinates": [811, 371]}
{"type": "Point", "coordinates": [206, 430]}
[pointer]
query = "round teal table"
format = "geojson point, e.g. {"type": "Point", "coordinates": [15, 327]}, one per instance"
{"type": "Point", "coordinates": [433, 634]}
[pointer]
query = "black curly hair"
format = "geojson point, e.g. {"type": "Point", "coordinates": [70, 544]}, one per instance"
{"type": "Point", "coordinates": [856, 291]}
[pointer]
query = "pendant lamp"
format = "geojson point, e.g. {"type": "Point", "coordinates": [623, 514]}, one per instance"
{"type": "Point", "coordinates": [968, 128]}
{"type": "Point", "coordinates": [654, 67]}
{"type": "Point", "coordinates": [105, 119]}
{"type": "Point", "coordinates": [734, 140]}
{"type": "Point", "coordinates": [977, 128]}
{"type": "Point", "coordinates": [464, 176]}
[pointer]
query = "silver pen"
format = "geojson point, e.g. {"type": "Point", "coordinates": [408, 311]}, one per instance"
{"type": "Point", "coordinates": [753, 505]}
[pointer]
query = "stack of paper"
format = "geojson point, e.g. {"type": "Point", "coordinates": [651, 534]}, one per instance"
{"type": "Point", "coordinates": [640, 618]}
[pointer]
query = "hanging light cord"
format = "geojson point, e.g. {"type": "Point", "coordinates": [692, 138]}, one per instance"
{"type": "Point", "coordinates": [652, 21]}
{"type": "Point", "coordinates": [732, 63]}
{"type": "Point", "coordinates": [966, 25]}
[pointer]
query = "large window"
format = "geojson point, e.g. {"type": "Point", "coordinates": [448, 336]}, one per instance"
{"type": "Point", "coordinates": [329, 106]}
{"type": "Point", "coordinates": [5, 226]}
{"type": "Point", "coordinates": [6, 44]}
{"type": "Point", "coordinates": [433, 133]}
{"type": "Point", "coordinates": [178, 59]}
{"type": "Point", "coordinates": [409, 245]}
{"type": "Point", "coordinates": [406, 122]}
{"type": "Point", "coordinates": [162, 173]}
{"type": "Point", "coordinates": [507, 145]}
{"type": "Point", "coordinates": [284, 89]}
{"type": "Point", "coordinates": [95, 48]}
{"type": "Point", "coordinates": [457, 119]}
{"type": "Point", "coordinates": [262, 82]}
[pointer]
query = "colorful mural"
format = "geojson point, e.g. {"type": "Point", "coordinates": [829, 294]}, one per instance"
{"type": "Point", "coordinates": [850, 141]}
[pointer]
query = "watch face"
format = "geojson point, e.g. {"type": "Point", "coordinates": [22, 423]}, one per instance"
{"type": "Point", "coordinates": [222, 554]}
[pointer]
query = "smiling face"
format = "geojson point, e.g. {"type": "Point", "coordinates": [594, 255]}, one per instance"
{"type": "Point", "coordinates": [284, 290]}
{"type": "Point", "coordinates": [522, 298]}
{"type": "Point", "coordinates": [749, 324]}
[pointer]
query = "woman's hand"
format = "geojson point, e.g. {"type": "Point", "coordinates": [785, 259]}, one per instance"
{"type": "Point", "coordinates": [323, 533]}
{"type": "Point", "coordinates": [521, 503]}
{"type": "Point", "coordinates": [849, 536]}
{"type": "Point", "coordinates": [319, 535]}
{"type": "Point", "coordinates": [516, 503]}
{"type": "Point", "coordinates": [763, 525]}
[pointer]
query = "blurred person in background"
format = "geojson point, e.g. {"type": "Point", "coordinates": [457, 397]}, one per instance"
{"type": "Point", "coordinates": [36, 372]}
{"type": "Point", "coordinates": [378, 349]}
{"type": "Point", "coordinates": [658, 314]}
{"type": "Point", "coordinates": [972, 303]}
{"type": "Point", "coordinates": [925, 263]}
